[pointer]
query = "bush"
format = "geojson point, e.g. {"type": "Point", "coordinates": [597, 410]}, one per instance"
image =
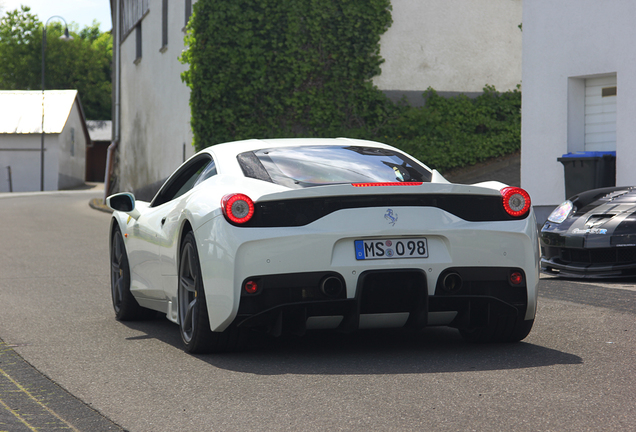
{"type": "Point", "coordinates": [448, 133]}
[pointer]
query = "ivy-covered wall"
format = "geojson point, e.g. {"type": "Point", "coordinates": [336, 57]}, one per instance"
{"type": "Point", "coordinates": [303, 68]}
{"type": "Point", "coordinates": [285, 68]}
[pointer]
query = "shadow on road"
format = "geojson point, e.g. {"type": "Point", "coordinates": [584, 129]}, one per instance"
{"type": "Point", "coordinates": [434, 350]}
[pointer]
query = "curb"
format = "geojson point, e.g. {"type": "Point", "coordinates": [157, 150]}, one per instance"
{"type": "Point", "coordinates": [98, 204]}
{"type": "Point", "coordinates": [34, 402]}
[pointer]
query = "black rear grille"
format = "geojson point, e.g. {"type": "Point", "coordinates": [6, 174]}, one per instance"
{"type": "Point", "coordinates": [485, 282]}
{"type": "Point", "coordinates": [391, 291]}
{"type": "Point", "coordinates": [299, 212]}
{"type": "Point", "coordinates": [279, 289]}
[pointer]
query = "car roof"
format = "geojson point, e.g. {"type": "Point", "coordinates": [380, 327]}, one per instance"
{"type": "Point", "coordinates": [231, 149]}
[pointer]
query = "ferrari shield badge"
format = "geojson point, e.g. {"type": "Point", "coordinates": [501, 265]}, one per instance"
{"type": "Point", "coordinates": [391, 216]}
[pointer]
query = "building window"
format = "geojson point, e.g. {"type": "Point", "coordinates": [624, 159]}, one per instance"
{"type": "Point", "coordinates": [72, 141]}
{"type": "Point", "coordinates": [164, 25]}
{"type": "Point", "coordinates": [188, 12]}
{"type": "Point", "coordinates": [608, 91]}
{"type": "Point", "coordinates": [138, 43]}
{"type": "Point", "coordinates": [600, 113]}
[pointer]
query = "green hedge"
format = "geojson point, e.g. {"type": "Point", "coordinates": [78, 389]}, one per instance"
{"type": "Point", "coordinates": [448, 133]}
{"type": "Point", "coordinates": [303, 68]}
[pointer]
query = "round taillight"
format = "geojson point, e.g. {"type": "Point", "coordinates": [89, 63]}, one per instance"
{"type": "Point", "coordinates": [516, 201]}
{"type": "Point", "coordinates": [251, 287]}
{"type": "Point", "coordinates": [516, 278]}
{"type": "Point", "coordinates": [238, 208]}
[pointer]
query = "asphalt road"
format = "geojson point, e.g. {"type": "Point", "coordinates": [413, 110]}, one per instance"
{"type": "Point", "coordinates": [66, 364]}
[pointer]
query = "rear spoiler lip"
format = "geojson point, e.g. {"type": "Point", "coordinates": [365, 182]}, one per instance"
{"type": "Point", "coordinates": [348, 189]}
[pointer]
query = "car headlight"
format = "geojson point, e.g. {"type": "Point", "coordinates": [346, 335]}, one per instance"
{"type": "Point", "coordinates": [562, 212]}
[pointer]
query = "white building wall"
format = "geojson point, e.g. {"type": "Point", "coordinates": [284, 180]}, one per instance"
{"type": "Point", "coordinates": [564, 43]}
{"type": "Point", "coordinates": [72, 152]}
{"type": "Point", "coordinates": [22, 153]}
{"type": "Point", "coordinates": [155, 110]}
{"type": "Point", "coordinates": [452, 45]}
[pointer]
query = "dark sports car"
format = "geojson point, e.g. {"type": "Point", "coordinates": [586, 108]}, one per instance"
{"type": "Point", "coordinates": [593, 234]}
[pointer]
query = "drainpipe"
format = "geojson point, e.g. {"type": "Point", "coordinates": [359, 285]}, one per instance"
{"type": "Point", "coordinates": [116, 126]}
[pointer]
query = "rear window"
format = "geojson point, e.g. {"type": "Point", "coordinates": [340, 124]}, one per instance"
{"type": "Point", "coordinates": [306, 166]}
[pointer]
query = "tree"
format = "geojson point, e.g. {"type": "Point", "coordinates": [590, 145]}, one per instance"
{"type": "Point", "coordinates": [83, 63]}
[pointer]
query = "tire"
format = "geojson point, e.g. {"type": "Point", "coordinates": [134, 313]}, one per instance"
{"type": "Point", "coordinates": [124, 303]}
{"type": "Point", "coordinates": [194, 322]}
{"type": "Point", "coordinates": [504, 329]}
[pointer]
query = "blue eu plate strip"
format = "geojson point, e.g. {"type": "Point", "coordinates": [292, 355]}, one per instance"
{"type": "Point", "coordinates": [359, 249]}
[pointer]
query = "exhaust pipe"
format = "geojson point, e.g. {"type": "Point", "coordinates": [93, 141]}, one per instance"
{"type": "Point", "coordinates": [331, 286]}
{"type": "Point", "coordinates": [452, 282]}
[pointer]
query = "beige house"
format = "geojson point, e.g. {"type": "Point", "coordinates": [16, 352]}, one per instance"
{"type": "Point", "coordinates": [24, 164]}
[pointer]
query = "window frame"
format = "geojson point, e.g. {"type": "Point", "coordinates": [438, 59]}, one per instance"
{"type": "Point", "coordinates": [188, 173]}
{"type": "Point", "coordinates": [164, 25]}
{"type": "Point", "coordinates": [131, 14]}
{"type": "Point", "coordinates": [188, 13]}
{"type": "Point", "coordinates": [138, 43]}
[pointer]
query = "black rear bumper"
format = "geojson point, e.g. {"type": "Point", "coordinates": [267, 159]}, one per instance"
{"type": "Point", "coordinates": [285, 302]}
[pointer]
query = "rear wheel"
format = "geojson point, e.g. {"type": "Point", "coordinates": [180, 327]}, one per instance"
{"type": "Point", "coordinates": [502, 329]}
{"type": "Point", "coordinates": [194, 322]}
{"type": "Point", "coordinates": [124, 303]}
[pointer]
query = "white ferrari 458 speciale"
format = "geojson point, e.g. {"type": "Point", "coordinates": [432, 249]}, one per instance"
{"type": "Point", "coordinates": [289, 235]}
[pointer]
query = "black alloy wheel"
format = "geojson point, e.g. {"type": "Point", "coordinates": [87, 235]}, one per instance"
{"type": "Point", "coordinates": [124, 303]}
{"type": "Point", "coordinates": [194, 322]}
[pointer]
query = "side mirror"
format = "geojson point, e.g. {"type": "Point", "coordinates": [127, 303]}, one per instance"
{"type": "Point", "coordinates": [123, 202]}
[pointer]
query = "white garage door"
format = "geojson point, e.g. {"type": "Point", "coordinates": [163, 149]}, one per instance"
{"type": "Point", "coordinates": [600, 114]}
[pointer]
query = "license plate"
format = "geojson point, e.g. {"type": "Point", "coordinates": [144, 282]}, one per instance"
{"type": "Point", "coordinates": [391, 249]}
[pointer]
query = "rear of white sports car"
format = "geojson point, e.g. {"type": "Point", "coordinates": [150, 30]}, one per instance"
{"type": "Point", "coordinates": [285, 236]}
{"type": "Point", "coordinates": [373, 255]}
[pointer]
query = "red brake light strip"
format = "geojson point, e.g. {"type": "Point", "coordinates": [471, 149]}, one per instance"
{"type": "Point", "coordinates": [386, 184]}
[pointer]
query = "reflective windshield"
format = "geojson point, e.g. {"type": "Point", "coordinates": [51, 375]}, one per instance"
{"type": "Point", "coordinates": [321, 165]}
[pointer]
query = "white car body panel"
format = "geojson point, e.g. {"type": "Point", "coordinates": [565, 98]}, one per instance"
{"type": "Point", "coordinates": [328, 244]}
{"type": "Point", "coordinates": [229, 254]}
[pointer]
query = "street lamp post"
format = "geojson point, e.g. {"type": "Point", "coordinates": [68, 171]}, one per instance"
{"type": "Point", "coordinates": [65, 36]}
